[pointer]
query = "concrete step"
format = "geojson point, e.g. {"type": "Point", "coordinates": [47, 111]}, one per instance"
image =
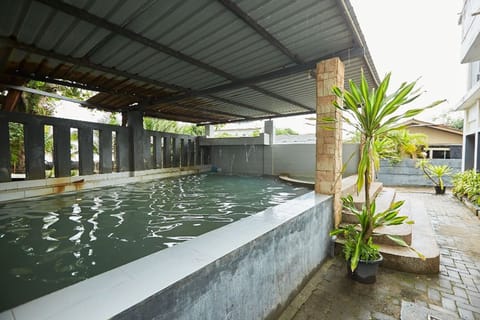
{"type": "Point", "coordinates": [349, 185]}
{"type": "Point", "coordinates": [383, 201]}
{"type": "Point", "coordinates": [403, 232]}
{"type": "Point", "coordinates": [359, 198]}
{"type": "Point", "coordinates": [422, 239]}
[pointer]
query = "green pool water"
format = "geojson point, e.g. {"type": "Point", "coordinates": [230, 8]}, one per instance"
{"type": "Point", "coordinates": [52, 242]}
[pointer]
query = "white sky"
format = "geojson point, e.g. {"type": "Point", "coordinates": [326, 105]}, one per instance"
{"type": "Point", "coordinates": [410, 38]}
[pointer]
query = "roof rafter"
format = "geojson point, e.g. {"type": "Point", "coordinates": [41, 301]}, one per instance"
{"type": "Point", "coordinates": [88, 64]}
{"type": "Point", "coordinates": [122, 93]}
{"type": "Point", "coordinates": [54, 95]}
{"type": "Point", "coordinates": [241, 104]}
{"type": "Point", "coordinates": [211, 111]}
{"type": "Point", "coordinates": [267, 117]}
{"type": "Point", "coordinates": [85, 63]}
{"type": "Point", "coordinates": [235, 9]}
{"type": "Point", "coordinates": [93, 19]}
{"type": "Point", "coordinates": [344, 54]}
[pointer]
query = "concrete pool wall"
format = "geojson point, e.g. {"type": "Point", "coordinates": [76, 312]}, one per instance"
{"type": "Point", "coordinates": [246, 270]}
{"type": "Point", "coordinates": [17, 190]}
{"type": "Point", "coordinates": [259, 156]}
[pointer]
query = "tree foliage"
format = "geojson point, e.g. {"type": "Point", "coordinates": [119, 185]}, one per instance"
{"type": "Point", "coordinates": [171, 126]}
{"type": "Point", "coordinates": [285, 131]}
{"type": "Point", "coordinates": [38, 105]}
{"type": "Point", "coordinates": [450, 119]}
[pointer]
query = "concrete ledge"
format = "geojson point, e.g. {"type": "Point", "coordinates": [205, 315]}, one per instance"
{"type": "Point", "coordinates": [420, 235]}
{"type": "Point", "coordinates": [263, 139]}
{"type": "Point", "coordinates": [249, 269]}
{"type": "Point", "coordinates": [472, 207]}
{"type": "Point", "coordinates": [423, 240]}
{"type": "Point", "coordinates": [34, 188]}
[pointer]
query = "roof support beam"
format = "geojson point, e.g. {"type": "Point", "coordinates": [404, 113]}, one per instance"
{"type": "Point", "coordinates": [55, 96]}
{"type": "Point", "coordinates": [179, 117]}
{"type": "Point", "coordinates": [241, 104]}
{"type": "Point", "coordinates": [100, 22]}
{"type": "Point", "coordinates": [343, 55]}
{"type": "Point", "coordinates": [228, 114]}
{"type": "Point", "coordinates": [281, 98]}
{"type": "Point", "coordinates": [235, 9]}
{"type": "Point", "coordinates": [85, 63]}
{"type": "Point", "coordinates": [267, 117]}
{"type": "Point", "coordinates": [358, 36]}
{"type": "Point", "coordinates": [46, 94]}
{"type": "Point", "coordinates": [95, 20]}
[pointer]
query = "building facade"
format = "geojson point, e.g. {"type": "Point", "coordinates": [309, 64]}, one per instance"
{"type": "Point", "coordinates": [470, 103]}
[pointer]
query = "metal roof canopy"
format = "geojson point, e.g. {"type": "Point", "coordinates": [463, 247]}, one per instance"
{"type": "Point", "coordinates": [200, 61]}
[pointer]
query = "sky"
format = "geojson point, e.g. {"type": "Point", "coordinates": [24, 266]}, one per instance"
{"type": "Point", "coordinates": [413, 39]}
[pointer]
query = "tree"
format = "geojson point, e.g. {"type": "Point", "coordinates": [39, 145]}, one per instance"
{"type": "Point", "coordinates": [404, 143]}
{"type": "Point", "coordinates": [160, 125]}
{"type": "Point", "coordinates": [171, 126]}
{"type": "Point", "coordinates": [397, 144]}
{"type": "Point", "coordinates": [285, 131]}
{"type": "Point", "coordinates": [39, 105]}
{"type": "Point", "coordinates": [455, 123]}
{"type": "Point", "coordinates": [451, 119]}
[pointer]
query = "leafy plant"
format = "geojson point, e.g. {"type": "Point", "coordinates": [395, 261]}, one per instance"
{"type": "Point", "coordinates": [434, 173]}
{"type": "Point", "coordinates": [467, 184]}
{"type": "Point", "coordinates": [397, 144]}
{"type": "Point", "coordinates": [373, 113]}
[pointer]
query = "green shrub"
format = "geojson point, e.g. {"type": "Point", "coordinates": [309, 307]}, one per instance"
{"type": "Point", "coordinates": [467, 184]}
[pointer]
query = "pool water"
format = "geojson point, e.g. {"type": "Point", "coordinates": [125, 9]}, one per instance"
{"type": "Point", "coordinates": [51, 242]}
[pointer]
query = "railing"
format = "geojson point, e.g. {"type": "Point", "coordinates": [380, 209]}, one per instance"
{"type": "Point", "coordinates": [86, 148]}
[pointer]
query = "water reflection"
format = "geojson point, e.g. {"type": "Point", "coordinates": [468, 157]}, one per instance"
{"type": "Point", "coordinates": [56, 241]}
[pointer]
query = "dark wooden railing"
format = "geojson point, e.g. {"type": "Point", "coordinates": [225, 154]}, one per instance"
{"type": "Point", "coordinates": [111, 145]}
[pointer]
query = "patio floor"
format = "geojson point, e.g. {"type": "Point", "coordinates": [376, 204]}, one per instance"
{"type": "Point", "coordinates": [454, 293]}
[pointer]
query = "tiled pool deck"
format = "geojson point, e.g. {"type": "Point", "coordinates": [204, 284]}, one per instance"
{"type": "Point", "coordinates": [454, 293]}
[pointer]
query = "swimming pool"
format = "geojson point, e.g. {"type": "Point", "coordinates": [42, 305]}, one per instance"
{"type": "Point", "coordinates": [52, 242]}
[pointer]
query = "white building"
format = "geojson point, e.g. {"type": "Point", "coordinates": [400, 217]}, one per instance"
{"type": "Point", "coordinates": [470, 103]}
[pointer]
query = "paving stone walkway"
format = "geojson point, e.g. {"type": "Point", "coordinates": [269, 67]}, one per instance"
{"type": "Point", "coordinates": [454, 293]}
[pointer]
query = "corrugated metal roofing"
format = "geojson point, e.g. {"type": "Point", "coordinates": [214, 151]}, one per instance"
{"type": "Point", "coordinates": [195, 60]}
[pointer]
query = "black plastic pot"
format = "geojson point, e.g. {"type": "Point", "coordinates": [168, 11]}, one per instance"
{"type": "Point", "coordinates": [439, 190]}
{"type": "Point", "coordinates": [366, 271]}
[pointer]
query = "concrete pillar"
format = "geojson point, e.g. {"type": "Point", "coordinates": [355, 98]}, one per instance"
{"type": "Point", "coordinates": [137, 140]}
{"type": "Point", "coordinates": [61, 151]}
{"type": "Point", "coordinates": [176, 151]}
{"type": "Point", "coordinates": [147, 152]}
{"type": "Point", "coordinates": [85, 151]}
{"type": "Point", "coordinates": [210, 131]}
{"type": "Point", "coordinates": [269, 128]}
{"type": "Point", "coordinates": [105, 152]}
{"type": "Point", "coordinates": [34, 150]}
{"type": "Point", "coordinates": [123, 150]}
{"type": "Point", "coordinates": [167, 152]}
{"type": "Point", "coordinates": [328, 178]}
{"type": "Point", "coordinates": [157, 151]}
{"type": "Point", "coordinates": [5, 151]}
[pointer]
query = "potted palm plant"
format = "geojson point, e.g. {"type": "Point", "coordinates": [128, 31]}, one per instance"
{"type": "Point", "coordinates": [435, 173]}
{"type": "Point", "coordinates": [373, 113]}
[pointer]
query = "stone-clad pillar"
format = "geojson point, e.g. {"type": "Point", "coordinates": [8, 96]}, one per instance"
{"type": "Point", "coordinates": [328, 179]}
